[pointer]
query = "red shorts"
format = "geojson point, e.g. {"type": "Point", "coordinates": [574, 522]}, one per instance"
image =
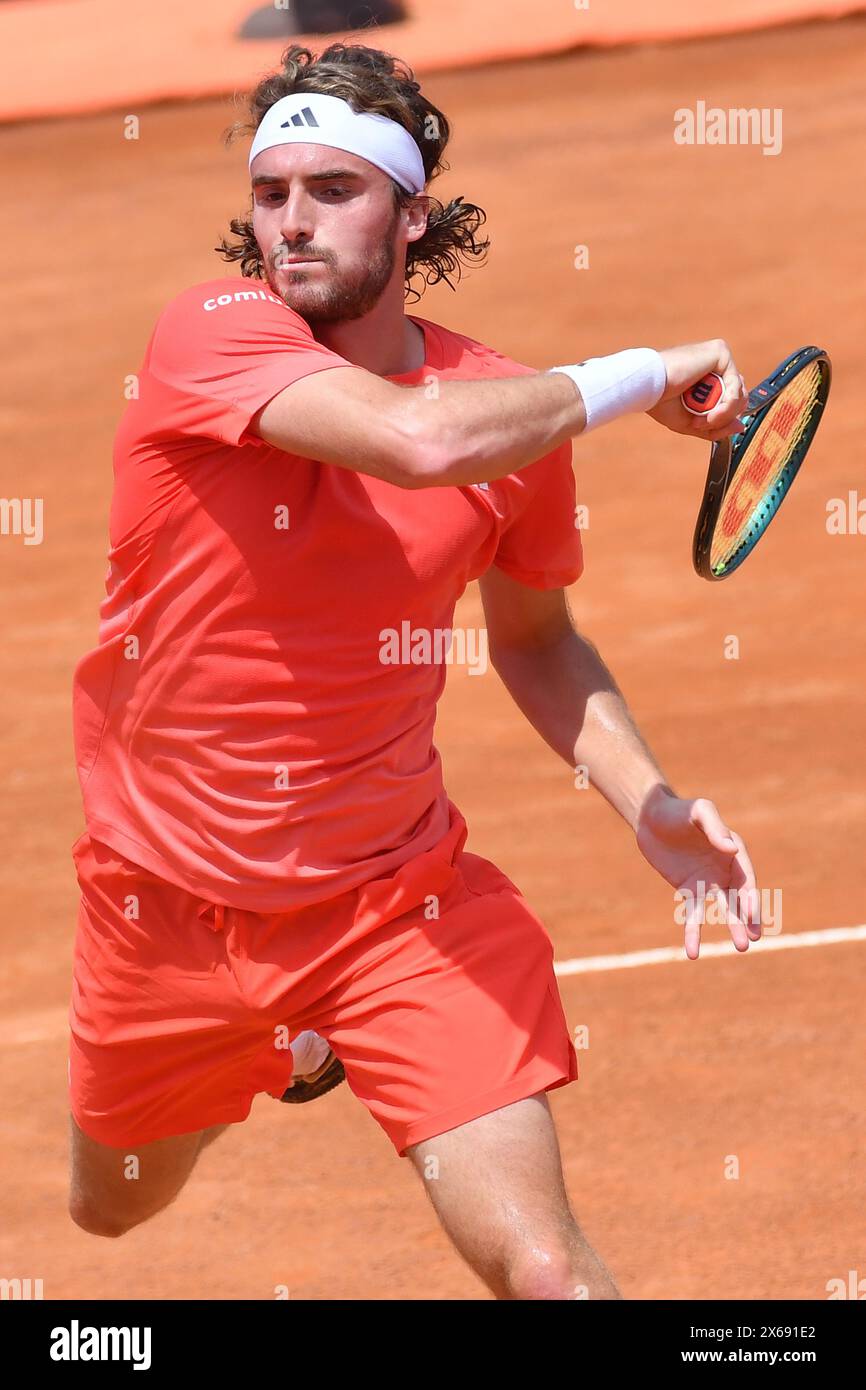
{"type": "Point", "coordinates": [434, 986]}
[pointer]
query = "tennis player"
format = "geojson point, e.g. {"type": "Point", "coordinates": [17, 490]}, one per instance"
{"type": "Point", "coordinates": [275, 889]}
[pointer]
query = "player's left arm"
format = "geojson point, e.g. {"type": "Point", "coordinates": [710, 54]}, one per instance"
{"type": "Point", "coordinates": [559, 681]}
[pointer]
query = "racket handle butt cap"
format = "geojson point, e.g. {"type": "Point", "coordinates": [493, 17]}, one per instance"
{"type": "Point", "coordinates": [704, 395]}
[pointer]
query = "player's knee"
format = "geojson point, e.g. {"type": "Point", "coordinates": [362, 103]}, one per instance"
{"type": "Point", "coordinates": [100, 1221]}
{"type": "Point", "coordinates": [96, 1222]}
{"type": "Point", "coordinates": [544, 1271]}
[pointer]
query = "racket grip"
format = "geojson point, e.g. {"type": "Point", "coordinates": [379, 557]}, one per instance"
{"type": "Point", "coordinates": [700, 398]}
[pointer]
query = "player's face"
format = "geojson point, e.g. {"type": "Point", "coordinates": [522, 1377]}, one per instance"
{"type": "Point", "coordinates": [335, 213]}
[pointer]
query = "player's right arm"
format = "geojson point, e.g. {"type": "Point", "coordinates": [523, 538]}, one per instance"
{"type": "Point", "coordinates": [470, 431]}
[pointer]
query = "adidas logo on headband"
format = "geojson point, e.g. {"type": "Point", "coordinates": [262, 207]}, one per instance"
{"type": "Point", "coordinates": [304, 117]}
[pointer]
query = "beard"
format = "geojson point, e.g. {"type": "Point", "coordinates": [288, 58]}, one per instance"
{"type": "Point", "coordinates": [346, 294]}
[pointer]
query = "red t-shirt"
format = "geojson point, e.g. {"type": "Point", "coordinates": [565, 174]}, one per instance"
{"type": "Point", "coordinates": [237, 731]}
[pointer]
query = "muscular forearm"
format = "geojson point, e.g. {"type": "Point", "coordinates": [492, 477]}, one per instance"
{"type": "Point", "coordinates": [572, 700]}
{"type": "Point", "coordinates": [477, 431]}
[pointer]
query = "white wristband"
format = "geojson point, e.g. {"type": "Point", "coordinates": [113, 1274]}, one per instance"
{"type": "Point", "coordinates": [308, 1053]}
{"type": "Point", "coordinates": [623, 383]}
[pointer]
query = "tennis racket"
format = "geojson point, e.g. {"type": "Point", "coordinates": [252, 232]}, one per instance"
{"type": "Point", "coordinates": [750, 474]}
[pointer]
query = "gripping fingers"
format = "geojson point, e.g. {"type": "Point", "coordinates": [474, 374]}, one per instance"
{"type": "Point", "coordinates": [734, 399]}
{"type": "Point", "coordinates": [719, 416]}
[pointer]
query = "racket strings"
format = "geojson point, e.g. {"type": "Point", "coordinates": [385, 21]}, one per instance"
{"type": "Point", "coordinates": [761, 479]}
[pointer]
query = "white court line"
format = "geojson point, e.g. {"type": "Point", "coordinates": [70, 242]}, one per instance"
{"type": "Point", "coordinates": [51, 1024]}
{"type": "Point", "coordinates": [585, 965]}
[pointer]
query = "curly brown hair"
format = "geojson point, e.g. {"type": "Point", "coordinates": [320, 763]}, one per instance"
{"type": "Point", "coordinates": [371, 80]}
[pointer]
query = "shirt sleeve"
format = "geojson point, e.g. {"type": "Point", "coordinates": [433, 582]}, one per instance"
{"type": "Point", "coordinates": [541, 545]}
{"type": "Point", "coordinates": [220, 352]}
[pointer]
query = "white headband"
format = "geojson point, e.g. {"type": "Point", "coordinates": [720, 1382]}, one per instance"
{"type": "Point", "coordinates": [312, 118]}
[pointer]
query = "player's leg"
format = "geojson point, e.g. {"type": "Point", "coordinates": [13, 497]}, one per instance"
{"type": "Point", "coordinates": [164, 1050]}
{"type": "Point", "coordinates": [113, 1189]}
{"type": "Point", "coordinates": [449, 1023]}
{"type": "Point", "coordinates": [496, 1184]}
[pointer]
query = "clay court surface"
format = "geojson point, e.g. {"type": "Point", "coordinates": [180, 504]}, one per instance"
{"type": "Point", "coordinates": [757, 1056]}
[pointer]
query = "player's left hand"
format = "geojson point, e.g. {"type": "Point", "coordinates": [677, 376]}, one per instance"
{"type": "Point", "coordinates": [688, 843]}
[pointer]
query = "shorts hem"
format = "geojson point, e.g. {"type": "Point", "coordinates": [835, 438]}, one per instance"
{"type": "Point", "coordinates": [104, 1131]}
{"type": "Point", "coordinates": [528, 1083]}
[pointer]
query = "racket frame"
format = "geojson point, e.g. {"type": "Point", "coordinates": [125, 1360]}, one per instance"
{"type": "Point", "coordinates": [727, 454]}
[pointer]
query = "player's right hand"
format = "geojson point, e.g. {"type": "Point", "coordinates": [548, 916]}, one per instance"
{"type": "Point", "coordinates": [685, 366]}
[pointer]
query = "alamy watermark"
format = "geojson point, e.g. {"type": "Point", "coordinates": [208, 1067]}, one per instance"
{"type": "Point", "coordinates": [716, 906]}
{"type": "Point", "coordinates": [77, 1343]}
{"type": "Point", "coordinates": [424, 646]}
{"type": "Point", "coordinates": [846, 516]}
{"type": "Point", "coordinates": [12, 1290]}
{"type": "Point", "coordinates": [736, 125]}
{"type": "Point", "coordinates": [22, 516]}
